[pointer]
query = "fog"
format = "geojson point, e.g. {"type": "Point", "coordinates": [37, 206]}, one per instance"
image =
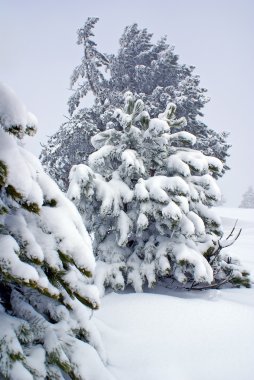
{"type": "Point", "coordinates": [38, 52]}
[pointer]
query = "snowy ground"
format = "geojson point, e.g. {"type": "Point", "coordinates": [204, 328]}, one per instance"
{"type": "Point", "coordinates": [175, 335]}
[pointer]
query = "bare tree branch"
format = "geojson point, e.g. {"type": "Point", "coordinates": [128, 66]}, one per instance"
{"type": "Point", "coordinates": [232, 231]}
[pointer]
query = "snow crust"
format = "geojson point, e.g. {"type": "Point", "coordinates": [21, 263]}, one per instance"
{"type": "Point", "coordinates": [183, 336]}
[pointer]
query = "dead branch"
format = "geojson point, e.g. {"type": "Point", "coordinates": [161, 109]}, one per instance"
{"type": "Point", "coordinates": [232, 231]}
{"type": "Point", "coordinates": [211, 286]}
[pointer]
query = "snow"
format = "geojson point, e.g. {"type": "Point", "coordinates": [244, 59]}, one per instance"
{"type": "Point", "coordinates": [158, 185]}
{"type": "Point", "coordinates": [184, 137]}
{"type": "Point", "coordinates": [16, 267]}
{"type": "Point", "coordinates": [156, 128]}
{"type": "Point", "coordinates": [81, 354]}
{"type": "Point", "coordinates": [172, 211]}
{"type": "Point", "coordinates": [201, 268]}
{"type": "Point", "coordinates": [124, 225]}
{"type": "Point", "coordinates": [174, 163]}
{"type": "Point", "coordinates": [142, 222]}
{"type": "Point", "coordinates": [130, 161]}
{"type": "Point", "coordinates": [112, 194]}
{"type": "Point", "coordinates": [208, 213]}
{"type": "Point", "coordinates": [19, 372]}
{"type": "Point", "coordinates": [80, 175]}
{"type": "Point", "coordinates": [111, 273]}
{"type": "Point", "coordinates": [208, 183]}
{"type": "Point", "coordinates": [21, 175]}
{"type": "Point", "coordinates": [179, 335]}
{"type": "Point", "coordinates": [195, 159]}
{"type": "Point", "coordinates": [36, 359]}
{"type": "Point", "coordinates": [96, 159]}
{"type": "Point", "coordinates": [198, 223]}
{"type": "Point", "coordinates": [13, 112]}
{"type": "Point", "coordinates": [214, 163]}
{"type": "Point", "coordinates": [141, 192]}
{"type": "Point", "coordinates": [185, 337]}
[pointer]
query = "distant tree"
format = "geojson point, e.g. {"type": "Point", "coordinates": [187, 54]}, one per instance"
{"type": "Point", "coordinates": [248, 199]}
{"type": "Point", "coordinates": [145, 197]}
{"type": "Point", "coordinates": [89, 70]}
{"type": "Point", "coordinates": [45, 261]}
{"type": "Point", "coordinates": [150, 70]}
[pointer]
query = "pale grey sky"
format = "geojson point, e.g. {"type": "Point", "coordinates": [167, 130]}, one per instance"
{"type": "Point", "coordinates": [38, 52]}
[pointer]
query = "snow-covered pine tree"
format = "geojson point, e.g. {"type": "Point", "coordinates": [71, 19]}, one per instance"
{"type": "Point", "coordinates": [89, 69]}
{"type": "Point", "coordinates": [153, 72]}
{"type": "Point", "coordinates": [147, 195]}
{"type": "Point", "coordinates": [248, 199]}
{"type": "Point", "coordinates": [71, 144]}
{"type": "Point", "coordinates": [46, 258]}
{"type": "Point", "coordinates": [158, 78]}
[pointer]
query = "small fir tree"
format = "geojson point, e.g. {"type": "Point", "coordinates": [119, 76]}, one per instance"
{"type": "Point", "coordinates": [45, 261]}
{"type": "Point", "coordinates": [248, 199]}
{"type": "Point", "coordinates": [147, 195]}
{"type": "Point", "coordinates": [150, 70]}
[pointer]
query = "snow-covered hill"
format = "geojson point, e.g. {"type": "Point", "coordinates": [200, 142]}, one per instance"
{"type": "Point", "coordinates": [173, 335]}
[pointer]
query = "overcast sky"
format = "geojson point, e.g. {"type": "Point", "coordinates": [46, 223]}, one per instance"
{"type": "Point", "coordinates": [38, 52]}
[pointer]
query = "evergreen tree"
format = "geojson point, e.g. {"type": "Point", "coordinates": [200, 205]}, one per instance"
{"type": "Point", "coordinates": [248, 199]}
{"type": "Point", "coordinates": [89, 69]}
{"type": "Point", "coordinates": [146, 194]}
{"type": "Point", "coordinates": [150, 70]}
{"type": "Point", "coordinates": [46, 260]}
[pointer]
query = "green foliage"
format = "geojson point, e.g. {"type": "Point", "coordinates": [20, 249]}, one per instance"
{"type": "Point", "coordinates": [17, 196]}
{"type": "Point", "coordinates": [31, 207]}
{"type": "Point", "coordinates": [13, 193]}
{"type": "Point", "coordinates": [3, 174]}
{"type": "Point", "coordinates": [16, 356]}
{"type": "Point", "coordinates": [87, 301]}
{"type": "Point", "coordinates": [16, 130]}
{"type": "Point", "coordinates": [3, 210]}
{"type": "Point", "coordinates": [182, 262]}
{"type": "Point", "coordinates": [54, 358]}
{"type": "Point", "coordinates": [209, 252]}
{"type": "Point", "coordinates": [50, 202]}
{"type": "Point", "coordinates": [241, 281]}
{"type": "Point", "coordinates": [66, 259]}
{"type": "Point", "coordinates": [53, 275]}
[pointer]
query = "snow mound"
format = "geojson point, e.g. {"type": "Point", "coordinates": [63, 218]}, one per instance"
{"type": "Point", "coordinates": [179, 337]}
